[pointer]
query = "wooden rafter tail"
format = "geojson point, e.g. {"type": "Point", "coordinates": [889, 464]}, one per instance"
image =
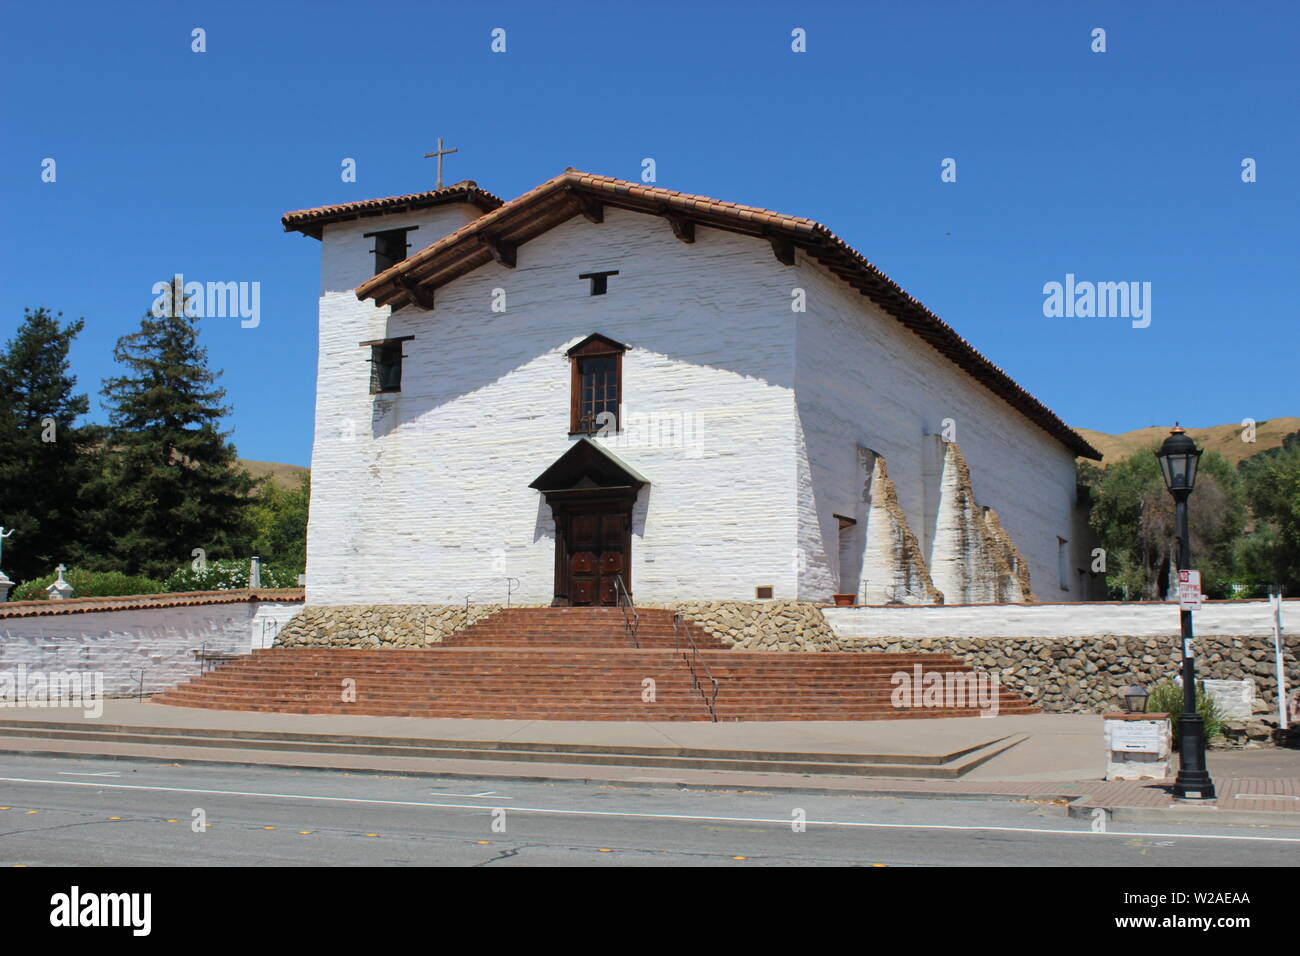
{"type": "Point", "coordinates": [416, 293]}
{"type": "Point", "coordinates": [783, 249]}
{"type": "Point", "coordinates": [593, 210]}
{"type": "Point", "coordinates": [683, 228]}
{"type": "Point", "coordinates": [502, 251]}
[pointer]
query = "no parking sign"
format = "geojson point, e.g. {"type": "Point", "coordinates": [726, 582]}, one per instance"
{"type": "Point", "coordinates": [1189, 590]}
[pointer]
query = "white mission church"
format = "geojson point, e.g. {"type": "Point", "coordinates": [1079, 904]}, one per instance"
{"type": "Point", "coordinates": [604, 385]}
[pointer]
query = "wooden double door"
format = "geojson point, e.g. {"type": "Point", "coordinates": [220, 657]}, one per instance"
{"type": "Point", "coordinates": [593, 550]}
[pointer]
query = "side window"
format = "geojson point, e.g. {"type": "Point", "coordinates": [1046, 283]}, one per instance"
{"type": "Point", "coordinates": [1063, 562]}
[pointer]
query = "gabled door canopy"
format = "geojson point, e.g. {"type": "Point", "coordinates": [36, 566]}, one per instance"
{"type": "Point", "coordinates": [587, 467]}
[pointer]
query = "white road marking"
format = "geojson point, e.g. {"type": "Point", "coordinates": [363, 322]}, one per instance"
{"type": "Point", "coordinates": [785, 822]}
{"type": "Point", "coordinates": [488, 793]}
{"type": "Point", "coordinates": [103, 773]}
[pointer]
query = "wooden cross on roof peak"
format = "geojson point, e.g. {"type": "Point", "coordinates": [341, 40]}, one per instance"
{"type": "Point", "coordinates": [440, 152]}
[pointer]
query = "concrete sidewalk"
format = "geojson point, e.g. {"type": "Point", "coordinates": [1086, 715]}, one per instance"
{"type": "Point", "coordinates": [1055, 760]}
{"type": "Point", "coordinates": [1055, 747]}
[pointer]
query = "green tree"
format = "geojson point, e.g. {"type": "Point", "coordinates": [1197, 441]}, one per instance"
{"type": "Point", "coordinates": [1133, 516]}
{"type": "Point", "coordinates": [46, 460]}
{"type": "Point", "coordinates": [1271, 552]}
{"type": "Point", "coordinates": [278, 519]}
{"type": "Point", "coordinates": [172, 481]}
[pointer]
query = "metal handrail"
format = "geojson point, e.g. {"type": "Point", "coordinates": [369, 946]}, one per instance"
{"type": "Point", "coordinates": [511, 587]}
{"type": "Point", "coordinates": [900, 589]}
{"type": "Point", "coordinates": [692, 659]}
{"type": "Point", "coordinates": [624, 600]}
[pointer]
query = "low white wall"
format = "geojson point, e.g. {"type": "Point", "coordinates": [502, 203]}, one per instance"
{"type": "Point", "coordinates": [162, 640]}
{"type": "Point", "coordinates": [1238, 618]}
{"type": "Point", "coordinates": [268, 619]}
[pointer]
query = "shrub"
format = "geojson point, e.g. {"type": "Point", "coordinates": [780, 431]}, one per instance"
{"type": "Point", "coordinates": [1167, 697]}
{"type": "Point", "coordinates": [226, 575]}
{"type": "Point", "coordinates": [87, 584]}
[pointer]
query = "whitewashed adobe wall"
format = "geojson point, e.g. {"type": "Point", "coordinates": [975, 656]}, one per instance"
{"type": "Point", "coordinates": [422, 497]}
{"type": "Point", "coordinates": [864, 379]}
{"type": "Point", "coordinates": [162, 640]}
{"type": "Point", "coordinates": [1237, 618]}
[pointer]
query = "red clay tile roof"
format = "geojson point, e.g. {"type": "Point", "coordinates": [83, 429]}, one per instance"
{"type": "Point", "coordinates": [129, 602]}
{"type": "Point", "coordinates": [500, 231]}
{"type": "Point", "coordinates": [310, 222]}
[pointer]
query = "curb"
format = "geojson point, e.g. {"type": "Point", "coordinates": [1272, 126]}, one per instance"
{"type": "Point", "coordinates": [499, 774]}
{"type": "Point", "coordinates": [1054, 803]}
{"type": "Point", "coordinates": [1079, 808]}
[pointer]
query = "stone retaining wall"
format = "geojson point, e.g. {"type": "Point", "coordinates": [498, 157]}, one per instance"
{"type": "Point", "coordinates": [1060, 674]}
{"type": "Point", "coordinates": [761, 625]}
{"type": "Point", "coordinates": [1070, 675]}
{"type": "Point", "coordinates": [379, 625]}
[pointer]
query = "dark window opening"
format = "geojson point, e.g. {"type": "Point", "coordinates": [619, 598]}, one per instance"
{"type": "Point", "coordinates": [390, 246]}
{"type": "Point", "coordinates": [599, 281]}
{"type": "Point", "coordinates": [386, 364]}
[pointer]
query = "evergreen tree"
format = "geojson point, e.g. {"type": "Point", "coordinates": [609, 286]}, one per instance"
{"type": "Point", "coordinates": [46, 460]}
{"type": "Point", "coordinates": [172, 480]}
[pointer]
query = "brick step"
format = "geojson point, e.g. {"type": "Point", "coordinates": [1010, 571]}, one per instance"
{"type": "Point", "coordinates": [551, 640]}
{"type": "Point", "coordinates": [415, 653]}
{"type": "Point", "coordinates": [614, 698]}
{"type": "Point", "coordinates": [524, 681]}
{"type": "Point", "coordinates": [728, 695]}
{"type": "Point", "coordinates": [807, 701]}
{"type": "Point", "coordinates": [443, 666]}
{"type": "Point", "coordinates": [572, 664]}
{"type": "Point", "coordinates": [526, 677]}
{"type": "Point", "coordinates": [447, 655]}
{"type": "Point", "coordinates": [565, 639]}
{"type": "Point", "coordinates": [568, 662]}
{"type": "Point", "coordinates": [577, 712]}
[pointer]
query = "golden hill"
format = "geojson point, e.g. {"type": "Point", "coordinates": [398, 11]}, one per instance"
{"type": "Point", "coordinates": [286, 476]}
{"type": "Point", "coordinates": [1225, 439]}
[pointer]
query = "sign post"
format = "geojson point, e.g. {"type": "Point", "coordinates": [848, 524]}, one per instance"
{"type": "Point", "coordinates": [1275, 605]}
{"type": "Point", "coordinates": [1189, 600]}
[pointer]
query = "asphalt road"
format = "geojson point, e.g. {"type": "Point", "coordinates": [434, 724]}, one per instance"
{"type": "Point", "coordinates": [57, 811]}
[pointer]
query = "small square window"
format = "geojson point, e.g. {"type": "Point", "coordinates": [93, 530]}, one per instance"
{"type": "Point", "coordinates": [386, 364]}
{"type": "Point", "coordinates": [763, 592]}
{"type": "Point", "coordinates": [390, 246]}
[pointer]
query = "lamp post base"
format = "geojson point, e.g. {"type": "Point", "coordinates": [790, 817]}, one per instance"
{"type": "Point", "coordinates": [1193, 781]}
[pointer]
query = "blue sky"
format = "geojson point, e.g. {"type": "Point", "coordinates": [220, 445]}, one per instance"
{"type": "Point", "coordinates": [1115, 166]}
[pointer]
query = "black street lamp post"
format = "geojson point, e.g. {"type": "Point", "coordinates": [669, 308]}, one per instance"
{"type": "Point", "coordinates": [1178, 458]}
